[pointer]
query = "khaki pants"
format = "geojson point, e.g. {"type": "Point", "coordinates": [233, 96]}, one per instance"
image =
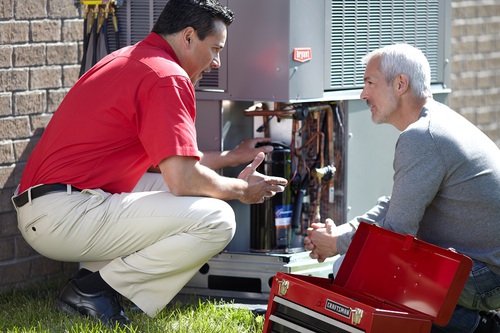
{"type": "Point", "coordinates": [153, 241]}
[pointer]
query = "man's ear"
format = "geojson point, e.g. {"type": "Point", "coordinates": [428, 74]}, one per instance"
{"type": "Point", "coordinates": [187, 36]}
{"type": "Point", "coordinates": [401, 83]}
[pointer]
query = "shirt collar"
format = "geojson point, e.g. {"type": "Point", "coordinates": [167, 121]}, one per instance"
{"type": "Point", "coordinates": [156, 40]}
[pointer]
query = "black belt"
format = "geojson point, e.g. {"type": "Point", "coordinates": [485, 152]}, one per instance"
{"type": "Point", "coordinates": [36, 192]}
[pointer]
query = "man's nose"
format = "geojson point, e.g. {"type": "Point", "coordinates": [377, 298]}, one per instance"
{"type": "Point", "coordinates": [215, 62]}
{"type": "Point", "coordinates": [363, 94]}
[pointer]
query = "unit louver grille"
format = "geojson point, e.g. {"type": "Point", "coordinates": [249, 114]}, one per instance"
{"type": "Point", "coordinates": [136, 19]}
{"type": "Point", "coordinates": [140, 23]}
{"type": "Point", "coordinates": [353, 28]}
{"type": "Point", "coordinates": [358, 27]}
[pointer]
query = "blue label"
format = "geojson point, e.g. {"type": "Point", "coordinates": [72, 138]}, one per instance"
{"type": "Point", "coordinates": [283, 215]}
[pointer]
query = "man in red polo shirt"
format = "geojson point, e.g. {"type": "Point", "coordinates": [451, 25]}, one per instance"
{"type": "Point", "coordinates": [85, 194]}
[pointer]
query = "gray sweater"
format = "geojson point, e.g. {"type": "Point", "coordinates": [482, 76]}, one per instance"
{"type": "Point", "coordinates": [446, 187]}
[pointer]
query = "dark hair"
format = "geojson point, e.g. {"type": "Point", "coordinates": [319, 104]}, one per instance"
{"type": "Point", "coordinates": [198, 14]}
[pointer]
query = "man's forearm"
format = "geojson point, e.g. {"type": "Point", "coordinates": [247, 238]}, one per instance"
{"type": "Point", "coordinates": [216, 160]}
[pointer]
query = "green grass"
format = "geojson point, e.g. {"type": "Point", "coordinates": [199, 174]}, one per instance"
{"type": "Point", "coordinates": [32, 310]}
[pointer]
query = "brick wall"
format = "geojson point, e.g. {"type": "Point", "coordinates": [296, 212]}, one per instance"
{"type": "Point", "coordinates": [40, 44]}
{"type": "Point", "coordinates": [475, 63]}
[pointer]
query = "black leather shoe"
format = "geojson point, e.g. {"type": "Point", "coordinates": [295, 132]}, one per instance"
{"type": "Point", "coordinates": [489, 322]}
{"type": "Point", "coordinates": [104, 306]}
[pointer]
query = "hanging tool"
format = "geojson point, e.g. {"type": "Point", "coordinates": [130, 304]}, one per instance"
{"type": "Point", "coordinates": [88, 22]}
{"type": "Point", "coordinates": [95, 40]}
{"type": "Point", "coordinates": [98, 54]}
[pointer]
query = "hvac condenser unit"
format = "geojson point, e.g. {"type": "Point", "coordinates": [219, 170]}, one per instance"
{"type": "Point", "coordinates": [301, 54]}
{"type": "Point", "coordinates": [297, 50]}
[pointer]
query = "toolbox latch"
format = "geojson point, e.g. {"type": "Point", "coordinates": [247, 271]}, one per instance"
{"type": "Point", "coordinates": [283, 286]}
{"type": "Point", "coordinates": [357, 315]}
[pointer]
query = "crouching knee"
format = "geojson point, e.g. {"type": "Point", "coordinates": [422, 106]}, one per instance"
{"type": "Point", "coordinates": [221, 221]}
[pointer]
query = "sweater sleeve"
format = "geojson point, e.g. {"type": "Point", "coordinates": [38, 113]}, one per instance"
{"type": "Point", "coordinates": [375, 215]}
{"type": "Point", "coordinates": [419, 170]}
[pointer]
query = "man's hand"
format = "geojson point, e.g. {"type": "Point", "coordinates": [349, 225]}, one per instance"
{"type": "Point", "coordinates": [321, 240]}
{"type": "Point", "coordinates": [259, 185]}
{"type": "Point", "coordinates": [247, 150]}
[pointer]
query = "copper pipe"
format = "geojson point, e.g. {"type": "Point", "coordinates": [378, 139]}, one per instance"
{"type": "Point", "coordinates": [268, 113]}
{"type": "Point", "coordinates": [283, 113]}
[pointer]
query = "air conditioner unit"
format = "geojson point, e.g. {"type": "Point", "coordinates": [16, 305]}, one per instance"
{"type": "Point", "coordinates": [306, 50]}
{"type": "Point", "coordinates": [296, 52]}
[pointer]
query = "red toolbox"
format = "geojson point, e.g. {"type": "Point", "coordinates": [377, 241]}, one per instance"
{"type": "Point", "coordinates": [388, 283]}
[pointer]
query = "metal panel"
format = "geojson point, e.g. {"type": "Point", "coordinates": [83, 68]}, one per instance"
{"type": "Point", "coordinates": [360, 26]}
{"type": "Point", "coordinates": [209, 125]}
{"type": "Point", "coordinates": [370, 153]}
{"type": "Point", "coordinates": [256, 269]}
{"type": "Point", "coordinates": [261, 42]}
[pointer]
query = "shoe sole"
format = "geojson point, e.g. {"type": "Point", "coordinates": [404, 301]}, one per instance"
{"type": "Point", "coordinates": [63, 307]}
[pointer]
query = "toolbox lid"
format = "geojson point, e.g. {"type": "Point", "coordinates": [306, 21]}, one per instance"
{"type": "Point", "coordinates": [404, 271]}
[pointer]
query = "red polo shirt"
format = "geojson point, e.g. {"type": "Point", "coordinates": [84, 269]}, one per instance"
{"type": "Point", "coordinates": [130, 111]}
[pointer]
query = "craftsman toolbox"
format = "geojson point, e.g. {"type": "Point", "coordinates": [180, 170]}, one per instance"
{"type": "Point", "coordinates": [388, 283]}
